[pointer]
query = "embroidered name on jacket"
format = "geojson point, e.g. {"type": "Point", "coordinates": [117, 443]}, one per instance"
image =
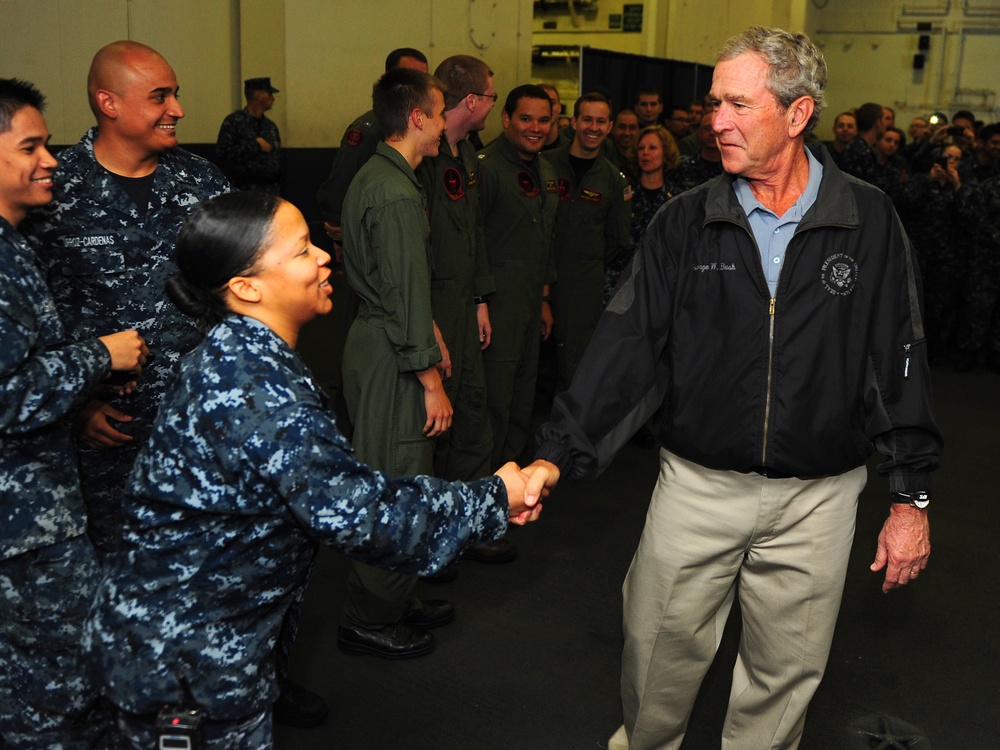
{"type": "Point", "coordinates": [95, 240]}
{"type": "Point", "coordinates": [839, 274]}
{"type": "Point", "coordinates": [708, 267]}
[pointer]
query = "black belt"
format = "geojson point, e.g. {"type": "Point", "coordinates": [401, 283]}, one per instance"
{"type": "Point", "coordinates": [768, 473]}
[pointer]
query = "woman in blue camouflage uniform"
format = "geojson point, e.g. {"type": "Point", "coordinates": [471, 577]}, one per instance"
{"type": "Point", "coordinates": [245, 473]}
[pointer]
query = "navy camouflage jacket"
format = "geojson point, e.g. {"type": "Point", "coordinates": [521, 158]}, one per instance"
{"type": "Point", "coordinates": [246, 469]}
{"type": "Point", "coordinates": [41, 381]}
{"type": "Point", "coordinates": [107, 265]}
{"type": "Point", "coordinates": [242, 157]}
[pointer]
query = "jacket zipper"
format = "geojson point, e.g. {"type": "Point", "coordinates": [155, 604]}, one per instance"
{"type": "Point", "coordinates": [770, 372]}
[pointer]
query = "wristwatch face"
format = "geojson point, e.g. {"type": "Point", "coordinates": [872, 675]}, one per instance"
{"type": "Point", "coordinates": [918, 500]}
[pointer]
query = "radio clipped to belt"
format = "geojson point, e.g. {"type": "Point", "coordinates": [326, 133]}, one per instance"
{"type": "Point", "coordinates": [178, 725]}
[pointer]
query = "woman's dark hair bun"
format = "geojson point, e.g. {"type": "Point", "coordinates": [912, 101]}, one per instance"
{"type": "Point", "coordinates": [193, 302]}
{"type": "Point", "coordinates": [222, 238]}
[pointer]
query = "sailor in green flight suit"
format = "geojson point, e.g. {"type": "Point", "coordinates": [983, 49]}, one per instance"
{"type": "Point", "coordinates": [518, 203]}
{"type": "Point", "coordinates": [593, 226]}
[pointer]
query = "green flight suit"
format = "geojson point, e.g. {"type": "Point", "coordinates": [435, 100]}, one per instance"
{"type": "Point", "coordinates": [459, 273]}
{"type": "Point", "coordinates": [517, 200]}
{"type": "Point", "coordinates": [387, 262]}
{"type": "Point", "coordinates": [357, 146]}
{"type": "Point", "coordinates": [593, 226]}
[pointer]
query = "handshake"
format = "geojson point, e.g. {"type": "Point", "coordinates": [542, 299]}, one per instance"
{"type": "Point", "coordinates": [526, 487]}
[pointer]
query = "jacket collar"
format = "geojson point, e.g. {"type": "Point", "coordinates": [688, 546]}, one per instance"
{"type": "Point", "coordinates": [385, 150]}
{"type": "Point", "coordinates": [835, 204]}
{"type": "Point", "coordinates": [507, 150]}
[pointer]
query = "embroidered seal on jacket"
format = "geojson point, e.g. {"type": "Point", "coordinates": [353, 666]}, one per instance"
{"type": "Point", "coordinates": [839, 274]}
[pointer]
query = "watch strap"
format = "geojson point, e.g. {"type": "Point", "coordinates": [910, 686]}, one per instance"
{"type": "Point", "coordinates": [919, 499]}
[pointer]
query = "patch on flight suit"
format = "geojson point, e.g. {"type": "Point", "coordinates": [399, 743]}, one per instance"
{"type": "Point", "coordinates": [550, 186]}
{"type": "Point", "coordinates": [453, 184]}
{"type": "Point", "coordinates": [591, 196]}
{"type": "Point", "coordinates": [354, 137]}
{"type": "Point", "coordinates": [627, 194]}
{"type": "Point", "coordinates": [526, 181]}
{"type": "Point", "coordinates": [563, 189]}
{"type": "Point", "coordinates": [473, 179]}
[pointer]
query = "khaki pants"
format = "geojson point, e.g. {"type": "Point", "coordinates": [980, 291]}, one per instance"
{"type": "Point", "coordinates": [782, 545]}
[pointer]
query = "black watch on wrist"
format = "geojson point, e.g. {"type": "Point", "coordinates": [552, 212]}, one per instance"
{"type": "Point", "coordinates": [919, 499]}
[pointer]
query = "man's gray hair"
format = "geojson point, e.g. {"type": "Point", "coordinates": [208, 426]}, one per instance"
{"type": "Point", "coordinates": [795, 66]}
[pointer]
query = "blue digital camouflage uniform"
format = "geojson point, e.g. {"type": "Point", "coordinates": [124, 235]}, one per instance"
{"type": "Point", "coordinates": [858, 159]}
{"type": "Point", "coordinates": [107, 265]}
{"type": "Point", "coordinates": [459, 274]}
{"type": "Point", "coordinates": [970, 169]}
{"type": "Point", "coordinates": [692, 171]}
{"type": "Point", "coordinates": [891, 177]}
{"type": "Point", "coordinates": [978, 334]}
{"type": "Point", "coordinates": [928, 209]}
{"type": "Point", "coordinates": [48, 571]}
{"type": "Point", "coordinates": [248, 166]}
{"type": "Point", "coordinates": [245, 471]}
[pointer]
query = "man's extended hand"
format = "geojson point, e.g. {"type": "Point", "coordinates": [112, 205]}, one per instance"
{"type": "Point", "coordinates": [525, 488]}
{"type": "Point", "coordinates": [93, 429]}
{"type": "Point", "coordinates": [903, 546]}
{"type": "Point", "coordinates": [543, 477]}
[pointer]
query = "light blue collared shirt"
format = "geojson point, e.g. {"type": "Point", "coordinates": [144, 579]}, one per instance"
{"type": "Point", "coordinates": [772, 232]}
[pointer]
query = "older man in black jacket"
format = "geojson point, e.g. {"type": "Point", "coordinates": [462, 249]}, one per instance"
{"type": "Point", "coordinates": [771, 323]}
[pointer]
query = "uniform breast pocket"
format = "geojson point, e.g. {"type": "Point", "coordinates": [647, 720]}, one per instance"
{"type": "Point", "coordinates": [514, 264]}
{"type": "Point", "coordinates": [90, 261]}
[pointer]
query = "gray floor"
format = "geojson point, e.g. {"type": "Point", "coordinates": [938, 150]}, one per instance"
{"type": "Point", "coordinates": [532, 660]}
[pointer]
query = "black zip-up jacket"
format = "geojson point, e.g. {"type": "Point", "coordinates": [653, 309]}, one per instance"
{"type": "Point", "coordinates": [806, 384]}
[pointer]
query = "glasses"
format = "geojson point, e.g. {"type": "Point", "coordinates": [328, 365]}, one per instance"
{"type": "Point", "coordinates": [494, 97]}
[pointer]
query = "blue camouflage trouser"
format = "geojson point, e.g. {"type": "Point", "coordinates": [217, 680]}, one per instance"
{"type": "Point", "coordinates": [47, 698]}
{"type": "Point", "coordinates": [103, 475]}
{"type": "Point", "coordinates": [251, 733]}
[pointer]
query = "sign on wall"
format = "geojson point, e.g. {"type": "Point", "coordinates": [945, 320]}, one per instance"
{"type": "Point", "coordinates": [632, 17]}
